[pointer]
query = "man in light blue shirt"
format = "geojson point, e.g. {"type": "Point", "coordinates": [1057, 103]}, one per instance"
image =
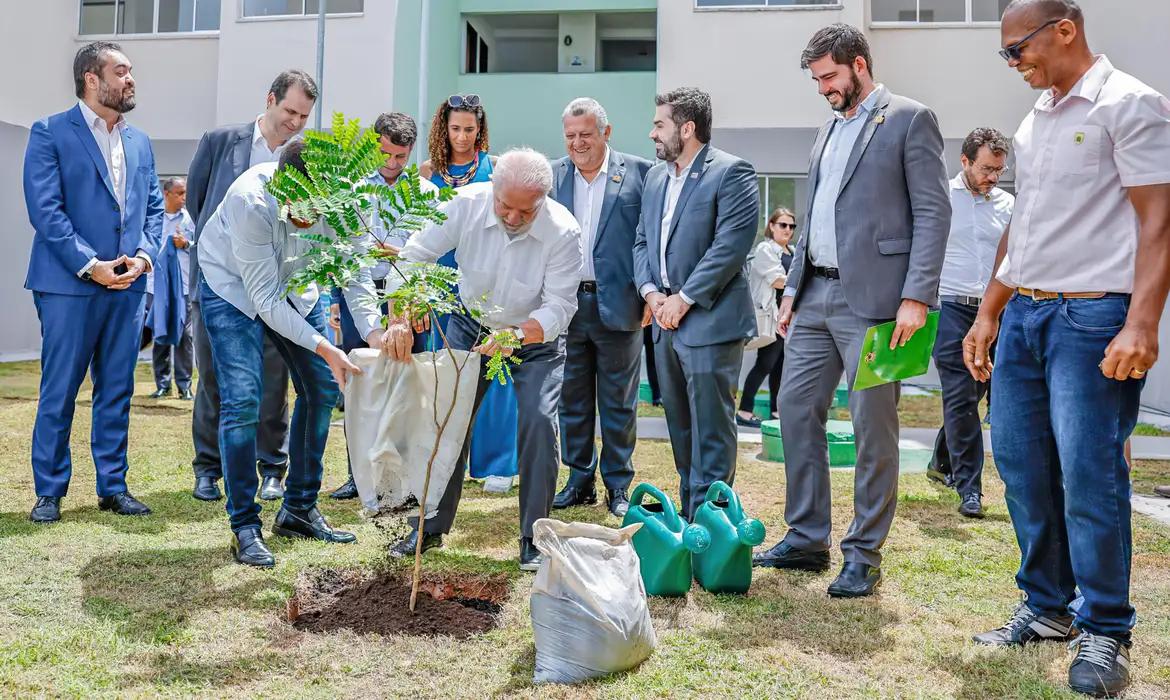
{"type": "Point", "coordinates": [247, 256]}
{"type": "Point", "coordinates": [178, 229]}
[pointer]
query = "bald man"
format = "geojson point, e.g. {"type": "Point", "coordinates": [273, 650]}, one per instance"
{"type": "Point", "coordinates": [1083, 273]}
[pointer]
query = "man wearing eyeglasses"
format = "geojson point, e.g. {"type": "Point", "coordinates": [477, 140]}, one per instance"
{"type": "Point", "coordinates": [980, 212]}
{"type": "Point", "coordinates": [1084, 277]}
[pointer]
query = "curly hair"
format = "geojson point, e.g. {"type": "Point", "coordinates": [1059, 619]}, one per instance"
{"type": "Point", "coordinates": [439, 148]}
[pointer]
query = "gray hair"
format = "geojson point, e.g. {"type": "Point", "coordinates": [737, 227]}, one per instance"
{"type": "Point", "coordinates": [169, 183]}
{"type": "Point", "coordinates": [523, 168]}
{"type": "Point", "coordinates": [587, 105]}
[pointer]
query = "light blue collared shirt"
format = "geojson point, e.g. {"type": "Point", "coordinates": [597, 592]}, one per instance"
{"type": "Point", "coordinates": [822, 222]}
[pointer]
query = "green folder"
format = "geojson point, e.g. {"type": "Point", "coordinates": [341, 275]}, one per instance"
{"type": "Point", "coordinates": [878, 364]}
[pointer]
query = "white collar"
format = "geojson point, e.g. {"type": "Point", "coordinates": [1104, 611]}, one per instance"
{"type": "Point", "coordinates": [1088, 87]}
{"type": "Point", "coordinates": [93, 120]}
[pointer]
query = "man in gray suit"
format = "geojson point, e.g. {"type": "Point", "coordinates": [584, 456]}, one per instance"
{"type": "Point", "coordinates": [877, 232]}
{"type": "Point", "coordinates": [603, 189]}
{"type": "Point", "coordinates": [700, 209]}
{"type": "Point", "coordinates": [222, 156]}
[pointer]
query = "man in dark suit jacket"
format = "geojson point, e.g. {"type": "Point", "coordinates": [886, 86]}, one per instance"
{"type": "Point", "coordinates": [700, 210]}
{"type": "Point", "coordinates": [222, 156]}
{"type": "Point", "coordinates": [879, 216]}
{"type": "Point", "coordinates": [603, 189]}
{"type": "Point", "coordinates": [93, 200]}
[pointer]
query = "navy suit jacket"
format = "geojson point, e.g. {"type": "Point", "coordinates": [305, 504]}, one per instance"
{"type": "Point", "coordinates": [221, 157]}
{"type": "Point", "coordinates": [618, 301]}
{"type": "Point", "coordinates": [711, 234]}
{"type": "Point", "coordinates": [72, 207]}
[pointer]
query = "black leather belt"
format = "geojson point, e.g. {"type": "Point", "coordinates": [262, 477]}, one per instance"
{"type": "Point", "coordinates": [961, 299]}
{"type": "Point", "coordinates": [831, 273]}
{"type": "Point", "coordinates": [587, 286]}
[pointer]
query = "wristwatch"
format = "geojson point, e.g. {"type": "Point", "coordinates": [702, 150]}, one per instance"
{"type": "Point", "coordinates": [519, 333]}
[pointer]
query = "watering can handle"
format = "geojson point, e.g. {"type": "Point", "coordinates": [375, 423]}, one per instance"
{"type": "Point", "coordinates": [668, 510]}
{"type": "Point", "coordinates": [734, 509]}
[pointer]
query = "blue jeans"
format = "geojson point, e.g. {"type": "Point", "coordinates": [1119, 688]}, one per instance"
{"type": "Point", "coordinates": [1059, 439]}
{"type": "Point", "coordinates": [237, 352]}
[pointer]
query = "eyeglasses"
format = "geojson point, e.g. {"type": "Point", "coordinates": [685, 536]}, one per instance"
{"type": "Point", "coordinates": [1012, 53]}
{"type": "Point", "coordinates": [457, 101]}
{"type": "Point", "coordinates": [784, 224]}
{"type": "Point", "coordinates": [988, 170]}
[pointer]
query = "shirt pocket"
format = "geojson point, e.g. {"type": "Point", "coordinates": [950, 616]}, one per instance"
{"type": "Point", "coordinates": [1078, 152]}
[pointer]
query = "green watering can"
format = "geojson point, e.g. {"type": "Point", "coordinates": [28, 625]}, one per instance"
{"type": "Point", "coordinates": [726, 566]}
{"type": "Point", "coordinates": [664, 543]}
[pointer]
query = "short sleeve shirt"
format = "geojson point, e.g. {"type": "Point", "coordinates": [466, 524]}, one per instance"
{"type": "Point", "coordinates": [1074, 228]}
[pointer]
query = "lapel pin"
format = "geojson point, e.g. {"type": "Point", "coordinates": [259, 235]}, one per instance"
{"type": "Point", "coordinates": [694, 176]}
{"type": "Point", "coordinates": [879, 119]}
{"type": "Point", "coordinates": [616, 178]}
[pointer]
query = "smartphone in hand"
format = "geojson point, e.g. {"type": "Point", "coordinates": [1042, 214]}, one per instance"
{"type": "Point", "coordinates": [120, 269]}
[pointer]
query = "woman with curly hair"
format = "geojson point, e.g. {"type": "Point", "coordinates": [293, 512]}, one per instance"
{"type": "Point", "coordinates": [458, 148]}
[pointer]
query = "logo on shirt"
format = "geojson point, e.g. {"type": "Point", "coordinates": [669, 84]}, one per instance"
{"type": "Point", "coordinates": [1079, 138]}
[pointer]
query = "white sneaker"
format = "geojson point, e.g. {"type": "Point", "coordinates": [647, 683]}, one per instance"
{"type": "Point", "coordinates": [497, 484]}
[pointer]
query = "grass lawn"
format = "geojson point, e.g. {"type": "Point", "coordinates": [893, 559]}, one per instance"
{"type": "Point", "coordinates": [100, 605]}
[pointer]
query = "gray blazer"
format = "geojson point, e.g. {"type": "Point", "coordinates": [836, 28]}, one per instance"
{"type": "Point", "coordinates": [893, 211]}
{"type": "Point", "coordinates": [222, 156]}
{"type": "Point", "coordinates": [618, 301]}
{"type": "Point", "coordinates": [711, 235]}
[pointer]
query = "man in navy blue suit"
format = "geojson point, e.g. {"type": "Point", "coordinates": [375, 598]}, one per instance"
{"type": "Point", "coordinates": [603, 189]}
{"type": "Point", "coordinates": [94, 201]}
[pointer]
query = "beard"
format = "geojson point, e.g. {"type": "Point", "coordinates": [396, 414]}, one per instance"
{"type": "Point", "coordinates": [519, 230]}
{"type": "Point", "coordinates": [670, 149]}
{"type": "Point", "coordinates": [116, 100]}
{"type": "Point", "coordinates": [852, 96]}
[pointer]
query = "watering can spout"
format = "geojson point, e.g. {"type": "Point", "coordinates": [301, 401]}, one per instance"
{"type": "Point", "coordinates": [696, 539]}
{"type": "Point", "coordinates": [750, 531]}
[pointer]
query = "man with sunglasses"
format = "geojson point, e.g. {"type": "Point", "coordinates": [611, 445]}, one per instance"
{"type": "Point", "coordinates": [980, 212]}
{"type": "Point", "coordinates": [1084, 277]}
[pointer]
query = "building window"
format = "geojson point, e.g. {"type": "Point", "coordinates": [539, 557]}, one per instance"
{"type": "Point", "coordinates": [297, 8]}
{"type": "Point", "coordinates": [936, 11]}
{"type": "Point", "coordinates": [734, 4]}
{"type": "Point", "coordinates": [148, 16]}
{"type": "Point", "coordinates": [775, 191]}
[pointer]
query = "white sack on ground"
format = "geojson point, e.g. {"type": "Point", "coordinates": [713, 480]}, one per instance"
{"type": "Point", "coordinates": [390, 423]}
{"type": "Point", "coordinates": [589, 612]}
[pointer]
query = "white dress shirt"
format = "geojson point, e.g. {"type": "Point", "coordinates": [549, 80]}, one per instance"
{"type": "Point", "coordinates": [109, 142]}
{"type": "Point", "coordinates": [674, 188]}
{"type": "Point", "coordinates": [247, 255]}
{"type": "Point", "coordinates": [261, 153]}
{"type": "Point", "coordinates": [396, 237]}
{"type": "Point", "coordinates": [511, 278]}
{"type": "Point", "coordinates": [1074, 228]}
{"type": "Point", "coordinates": [588, 198]}
{"type": "Point", "coordinates": [180, 222]}
{"type": "Point", "coordinates": [977, 225]}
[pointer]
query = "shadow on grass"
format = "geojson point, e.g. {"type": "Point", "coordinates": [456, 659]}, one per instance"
{"type": "Point", "coordinates": [151, 593]}
{"type": "Point", "coordinates": [782, 605]}
{"type": "Point", "coordinates": [170, 509]}
{"type": "Point", "coordinates": [173, 670]}
{"type": "Point", "coordinates": [524, 665]}
{"type": "Point", "coordinates": [938, 516]}
{"type": "Point", "coordinates": [1004, 673]}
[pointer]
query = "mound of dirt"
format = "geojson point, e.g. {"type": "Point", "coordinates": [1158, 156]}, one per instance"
{"type": "Point", "coordinates": [455, 606]}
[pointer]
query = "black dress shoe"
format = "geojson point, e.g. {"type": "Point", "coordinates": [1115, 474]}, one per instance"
{"type": "Point", "coordinates": [123, 504]}
{"type": "Point", "coordinates": [752, 422]}
{"type": "Point", "coordinates": [160, 393]}
{"type": "Point", "coordinates": [938, 476]}
{"type": "Point", "coordinates": [346, 491]}
{"type": "Point", "coordinates": [47, 510]}
{"type": "Point", "coordinates": [785, 556]}
{"type": "Point", "coordinates": [248, 548]}
{"type": "Point", "coordinates": [405, 547]}
{"type": "Point", "coordinates": [971, 507]}
{"type": "Point", "coordinates": [856, 580]}
{"type": "Point", "coordinates": [530, 556]}
{"type": "Point", "coordinates": [310, 526]}
{"type": "Point", "coordinates": [271, 489]}
{"type": "Point", "coordinates": [185, 394]}
{"type": "Point", "coordinates": [617, 501]}
{"type": "Point", "coordinates": [206, 489]}
{"type": "Point", "coordinates": [575, 495]}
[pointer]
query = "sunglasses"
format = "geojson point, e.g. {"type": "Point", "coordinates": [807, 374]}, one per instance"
{"type": "Point", "coordinates": [457, 101]}
{"type": "Point", "coordinates": [1013, 52]}
{"type": "Point", "coordinates": [785, 224]}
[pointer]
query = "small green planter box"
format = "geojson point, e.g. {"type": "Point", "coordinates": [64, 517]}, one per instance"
{"type": "Point", "coordinates": [644, 393]}
{"type": "Point", "coordinates": [841, 397]}
{"type": "Point", "coordinates": [763, 406]}
{"type": "Point", "coordinates": [842, 449]}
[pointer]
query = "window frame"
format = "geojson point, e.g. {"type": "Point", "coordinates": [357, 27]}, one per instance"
{"type": "Point", "coordinates": [241, 17]}
{"type": "Point", "coordinates": [918, 24]}
{"type": "Point", "coordinates": [154, 34]}
{"type": "Point", "coordinates": [762, 6]}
